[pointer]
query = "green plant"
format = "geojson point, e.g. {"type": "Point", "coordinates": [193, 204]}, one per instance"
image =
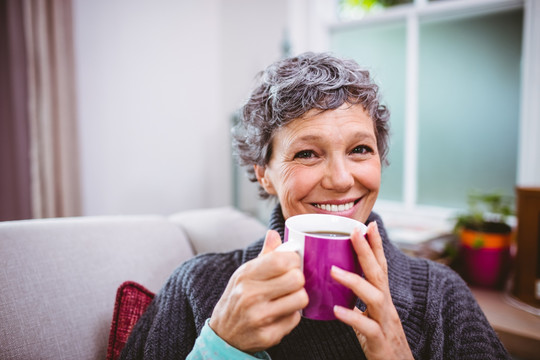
{"type": "Point", "coordinates": [358, 8]}
{"type": "Point", "coordinates": [368, 4]}
{"type": "Point", "coordinates": [486, 212]}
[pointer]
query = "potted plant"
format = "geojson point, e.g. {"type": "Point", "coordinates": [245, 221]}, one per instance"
{"type": "Point", "coordinates": [485, 238]}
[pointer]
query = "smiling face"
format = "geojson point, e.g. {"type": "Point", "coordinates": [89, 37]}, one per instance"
{"type": "Point", "coordinates": [325, 163]}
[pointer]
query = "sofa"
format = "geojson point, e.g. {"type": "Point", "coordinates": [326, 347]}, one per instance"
{"type": "Point", "coordinates": [59, 277]}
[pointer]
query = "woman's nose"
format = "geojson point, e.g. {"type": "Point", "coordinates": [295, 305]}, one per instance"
{"type": "Point", "coordinates": [338, 176]}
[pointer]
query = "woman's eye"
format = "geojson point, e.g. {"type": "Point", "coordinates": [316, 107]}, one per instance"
{"type": "Point", "coordinates": [362, 149]}
{"type": "Point", "coordinates": [304, 154]}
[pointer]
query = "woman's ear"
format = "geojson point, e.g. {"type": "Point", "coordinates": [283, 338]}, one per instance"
{"type": "Point", "coordinates": [260, 173]}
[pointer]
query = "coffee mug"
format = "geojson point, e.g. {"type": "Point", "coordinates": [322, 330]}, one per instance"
{"type": "Point", "coordinates": [322, 241]}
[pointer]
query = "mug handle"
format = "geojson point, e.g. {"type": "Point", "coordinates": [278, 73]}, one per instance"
{"type": "Point", "coordinates": [290, 246]}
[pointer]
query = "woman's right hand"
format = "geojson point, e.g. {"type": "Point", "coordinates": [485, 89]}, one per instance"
{"type": "Point", "coordinates": [261, 302]}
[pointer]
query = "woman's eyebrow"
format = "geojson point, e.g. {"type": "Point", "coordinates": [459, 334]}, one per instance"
{"type": "Point", "coordinates": [364, 135]}
{"type": "Point", "coordinates": [309, 137]}
{"type": "Point", "coordinates": [355, 135]}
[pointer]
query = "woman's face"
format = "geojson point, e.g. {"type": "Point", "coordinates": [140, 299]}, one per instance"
{"type": "Point", "coordinates": [325, 163]}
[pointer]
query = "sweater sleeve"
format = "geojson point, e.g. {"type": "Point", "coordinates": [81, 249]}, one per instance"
{"type": "Point", "coordinates": [210, 346]}
{"type": "Point", "coordinates": [457, 321]}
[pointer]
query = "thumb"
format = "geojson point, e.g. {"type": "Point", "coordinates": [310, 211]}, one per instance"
{"type": "Point", "coordinates": [271, 242]}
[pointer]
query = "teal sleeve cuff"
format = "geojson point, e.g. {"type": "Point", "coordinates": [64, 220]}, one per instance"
{"type": "Point", "coordinates": [210, 346]}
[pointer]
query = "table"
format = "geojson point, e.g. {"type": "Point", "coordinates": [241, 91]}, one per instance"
{"type": "Point", "coordinates": [518, 329]}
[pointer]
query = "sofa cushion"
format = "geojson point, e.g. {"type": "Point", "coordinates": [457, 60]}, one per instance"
{"type": "Point", "coordinates": [219, 229]}
{"type": "Point", "coordinates": [59, 277]}
{"type": "Point", "coordinates": [132, 299]}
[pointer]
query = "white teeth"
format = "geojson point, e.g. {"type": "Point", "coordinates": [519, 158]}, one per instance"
{"type": "Point", "coordinates": [335, 208]}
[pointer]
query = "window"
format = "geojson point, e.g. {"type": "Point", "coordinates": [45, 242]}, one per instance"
{"type": "Point", "coordinates": [468, 113]}
{"type": "Point", "coordinates": [450, 72]}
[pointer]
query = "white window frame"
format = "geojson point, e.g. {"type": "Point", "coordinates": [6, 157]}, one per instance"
{"type": "Point", "coordinates": [311, 21]}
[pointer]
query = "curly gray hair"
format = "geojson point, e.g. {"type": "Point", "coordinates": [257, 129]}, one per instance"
{"type": "Point", "coordinates": [291, 87]}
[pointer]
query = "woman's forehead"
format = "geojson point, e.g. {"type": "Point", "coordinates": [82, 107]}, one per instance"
{"type": "Point", "coordinates": [343, 107]}
{"type": "Point", "coordinates": [318, 124]}
{"type": "Point", "coordinates": [353, 112]}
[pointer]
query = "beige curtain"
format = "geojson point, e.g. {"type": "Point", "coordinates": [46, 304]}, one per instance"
{"type": "Point", "coordinates": [52, 108]}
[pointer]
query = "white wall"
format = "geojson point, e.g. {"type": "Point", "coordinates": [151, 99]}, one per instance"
{"type": "Point", "coordinates": [157, 82]}
{"type": "Point", "coordinates": [252, 38]}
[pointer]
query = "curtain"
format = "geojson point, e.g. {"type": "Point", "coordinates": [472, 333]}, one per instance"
{"type": "Point", "coordinates": [51, 154]}
{"type": "Point", "coordinates": [52, 111]}
{"type": "Point", "coordinates": [15, 200]}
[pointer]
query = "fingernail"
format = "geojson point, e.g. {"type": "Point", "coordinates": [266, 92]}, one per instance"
{"type": "Point", "coordinates": [375, 228]}
{"type": "Point", "coordinates": [338, 310]}
{"type": "Point", "coordinates": [337, 270]}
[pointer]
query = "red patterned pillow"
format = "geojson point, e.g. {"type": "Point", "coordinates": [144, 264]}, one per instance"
{"type": "Point", "coordinates": [132, 300]}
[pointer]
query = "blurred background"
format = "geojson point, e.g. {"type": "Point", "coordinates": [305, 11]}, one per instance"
{"type": "Point", "coordinates": [125, 107]}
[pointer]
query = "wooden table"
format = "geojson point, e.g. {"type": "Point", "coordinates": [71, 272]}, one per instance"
{"type": "Point", "coordinates": [519, 330]}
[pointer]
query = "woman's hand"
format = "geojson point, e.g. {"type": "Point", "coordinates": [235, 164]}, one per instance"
{"type": "Point", "coordinates": [261, 301]}
{"type": "Point", "coordinates": [379, 328]}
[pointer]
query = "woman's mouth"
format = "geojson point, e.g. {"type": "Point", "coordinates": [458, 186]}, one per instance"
{"type": "Point", "coordinates": [336, 207]}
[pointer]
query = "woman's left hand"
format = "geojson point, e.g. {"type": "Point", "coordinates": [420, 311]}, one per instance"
{"type": "Point", "coordinates": [379, 328]}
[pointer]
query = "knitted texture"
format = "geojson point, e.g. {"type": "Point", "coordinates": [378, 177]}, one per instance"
{"type": "Point", "coordinates": [440, 316]}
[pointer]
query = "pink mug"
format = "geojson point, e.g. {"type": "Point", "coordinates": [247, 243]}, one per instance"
{"type": "Point", "coordinates": [322, 241]}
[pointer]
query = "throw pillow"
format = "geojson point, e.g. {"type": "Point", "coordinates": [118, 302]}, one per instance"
{"type": "Point", "coordinates": [132, 299]}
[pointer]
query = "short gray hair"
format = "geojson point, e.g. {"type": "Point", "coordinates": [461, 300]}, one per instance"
{"type": "Point", "coordinates": [291, 87]}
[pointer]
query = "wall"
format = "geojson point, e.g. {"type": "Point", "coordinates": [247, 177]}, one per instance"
{"type": "Point", "coordinates": [251, 39]}
{"type": "Point", "coordinates": [157, 83]}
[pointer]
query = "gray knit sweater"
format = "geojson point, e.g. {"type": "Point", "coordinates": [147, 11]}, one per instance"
{"type": "Point", "coordinates": [439, 314]}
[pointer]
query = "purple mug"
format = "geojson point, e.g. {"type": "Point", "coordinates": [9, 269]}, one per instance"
{"type": "Point", "coordinates": [322, 241]}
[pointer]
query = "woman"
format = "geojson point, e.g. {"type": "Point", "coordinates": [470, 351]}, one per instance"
{"type": "Point", "coordinates": [314, 136]}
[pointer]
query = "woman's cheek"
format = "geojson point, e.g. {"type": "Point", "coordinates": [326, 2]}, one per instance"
{"type": "Point", "coordinates": [370, 175]}
{"type": "Point", "coordinates": [302, 180]}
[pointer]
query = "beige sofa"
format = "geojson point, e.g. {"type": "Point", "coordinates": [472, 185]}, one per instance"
{"type": "Point", "coordinates": [58, 277]}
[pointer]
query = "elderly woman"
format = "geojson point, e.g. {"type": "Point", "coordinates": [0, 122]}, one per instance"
{"type": "Point", "coordinates": [314, 135]}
